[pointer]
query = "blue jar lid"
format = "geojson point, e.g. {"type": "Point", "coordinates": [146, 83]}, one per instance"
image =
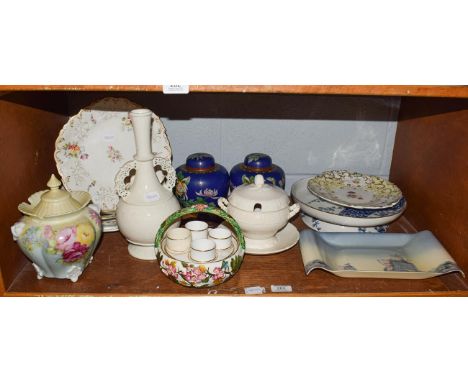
{"type": "Point", "coordinates": [200, 161]}
{"type": "Point", "coordinates": [258, 161]}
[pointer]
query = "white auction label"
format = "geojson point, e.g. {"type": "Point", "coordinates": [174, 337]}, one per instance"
{"type": "Point", "coordinates": [175, 89]}
{"type": "Point", "coordinates": [254, 290]}
{"type": "Point", "coordinates": [108, 137]}
{"type": "Point", "coordinates": [151, 196]}
{"type": "Point", "coordinates": [281, 288]}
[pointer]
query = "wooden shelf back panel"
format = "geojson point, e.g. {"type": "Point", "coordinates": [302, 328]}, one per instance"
{"type": "Point", "coordinates": [26, 161]}
{"type": "Point", "coordinates": [430, 165]}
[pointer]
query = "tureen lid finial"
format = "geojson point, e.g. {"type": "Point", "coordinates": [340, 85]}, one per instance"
{"type": "Point", "coordinates": [259, 180]}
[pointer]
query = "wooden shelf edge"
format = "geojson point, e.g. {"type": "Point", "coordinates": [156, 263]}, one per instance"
{"type": "Point", "coordinates": [460, 293]}
{"type": "Point", "coordinates": [453, 91]}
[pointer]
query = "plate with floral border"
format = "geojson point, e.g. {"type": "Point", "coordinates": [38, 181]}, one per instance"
{"type": "Point", "coordinates": [392, 255]}
{"type": "Point", "coordinates": [353, 189]}
{"type": "Point", "coordinates": [318, 208]}
{"type": "Point", "coordinates": [94, 144]}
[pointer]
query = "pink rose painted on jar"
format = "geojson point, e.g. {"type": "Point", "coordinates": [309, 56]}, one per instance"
{"type": "Point", "coordinates": [76, 252]}
{"type": "Point", "coordinates": [66, 238]}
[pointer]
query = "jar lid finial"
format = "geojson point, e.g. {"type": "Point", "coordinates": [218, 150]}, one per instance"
{"type": "Point", "coordinates": [53, 182]}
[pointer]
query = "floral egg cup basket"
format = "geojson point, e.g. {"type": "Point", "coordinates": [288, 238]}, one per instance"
{"type": "Point", "coordinates": [189, 273]}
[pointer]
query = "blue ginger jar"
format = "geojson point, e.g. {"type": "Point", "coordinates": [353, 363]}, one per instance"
{"type": "Point", "coordinates": [201, 181]}
{"type": "Point", "coordinates": [254, 164]}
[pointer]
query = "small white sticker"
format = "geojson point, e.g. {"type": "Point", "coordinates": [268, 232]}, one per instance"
{"type": "Point", "coordinates": [254, 290]}
{"type": "Point", "coordinates": [108, 137]}
{"type": "Point", "coordinates": [151, 196]}
{"type": "Point", "coordinates": [281, 288]}
{"type": "Point", "coordinates": [175, 89]}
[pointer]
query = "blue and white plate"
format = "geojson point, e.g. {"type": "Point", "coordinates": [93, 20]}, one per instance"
{"type": "Point", "coordinates": [321, 226]}
{"type": "Point", "coordinates": [346, 216]}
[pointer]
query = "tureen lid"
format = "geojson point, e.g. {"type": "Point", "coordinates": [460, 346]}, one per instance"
{"type": "Point", "coordinates": [54, 202]}
{"type": "Point", "coordinates": [259, 196]}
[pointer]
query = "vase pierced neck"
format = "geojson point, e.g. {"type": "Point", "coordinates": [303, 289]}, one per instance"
{"type": "Point", "coordinates": [141, 121]}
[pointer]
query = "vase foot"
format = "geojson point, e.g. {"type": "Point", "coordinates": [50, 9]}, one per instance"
{"type": "Point", "coordinates": [142, 253]}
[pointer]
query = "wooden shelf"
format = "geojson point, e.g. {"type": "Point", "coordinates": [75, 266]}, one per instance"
{"type": "Point", "coordinates": [374, 90]}
{"type": "Point", "coordinates": [115, 273]}
{"type": "Point", "coordinates": [430, 148]}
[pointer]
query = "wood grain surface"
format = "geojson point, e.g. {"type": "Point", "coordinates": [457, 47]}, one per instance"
{"type": "Point", "coordinates": [27, 137]}
{"type": "Point", "coordinates": [430, 165]}
{"type": "Point", "coordinates": [388, 90]}
{"type": "Point", "coordinates": [114, 272]}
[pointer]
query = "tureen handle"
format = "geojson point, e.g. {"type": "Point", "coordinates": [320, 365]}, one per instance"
{"type": "Point", "coordinates": [293, 210]}
{"type": "Point", "coordinates": [223, 204]}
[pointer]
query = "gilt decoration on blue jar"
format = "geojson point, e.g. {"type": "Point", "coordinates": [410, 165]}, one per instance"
{"type": "Point", "coordinates": [254, 164]}
{"type": "Point", "coordinates": [201, 181]}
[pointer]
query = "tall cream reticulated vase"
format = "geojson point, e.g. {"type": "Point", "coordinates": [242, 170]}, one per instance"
{"type": "Point", "coordinates": [146, 203]}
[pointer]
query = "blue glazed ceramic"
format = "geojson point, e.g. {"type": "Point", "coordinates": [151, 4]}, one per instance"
{"type": "Point", "coordinates": [257, 163]}
{"type": "Point", "coordinates": [201, 181]}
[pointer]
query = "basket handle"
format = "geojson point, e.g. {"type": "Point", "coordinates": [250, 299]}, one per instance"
{"type": "Point", "coordinates": [197, 208]}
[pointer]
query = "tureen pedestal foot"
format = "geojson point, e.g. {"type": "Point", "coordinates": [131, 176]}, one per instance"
{"type": "Point", "coordinates": [260, 243]}
{"type": "Point", "coordinates": [141, 252]}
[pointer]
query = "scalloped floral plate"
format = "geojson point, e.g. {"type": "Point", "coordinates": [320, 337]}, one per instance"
{"type": "Point", "coordinates": [352, 189]}
{"type": "Point", "coordinates": [95, 143]}
{"type": "Point", "coordinates": [390, 255]}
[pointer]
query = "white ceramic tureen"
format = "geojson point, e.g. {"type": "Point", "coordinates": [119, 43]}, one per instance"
{"type": "Point", "coordinates": [260, 209]}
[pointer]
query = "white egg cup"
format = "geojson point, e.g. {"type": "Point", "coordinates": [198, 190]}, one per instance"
{"type": "Point", "coordinates": [203, 250]}
{"type": "Point", "coordinates": [178, 240]}
{"type": "Point", "coordinates": [221, 237]}
{"type": "Point", "coordinates": [198, 229]}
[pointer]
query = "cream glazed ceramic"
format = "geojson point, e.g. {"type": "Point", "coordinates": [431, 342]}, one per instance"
{"type": "Point", "coordinates": [261, 211]}
{"type": "Point", "coordinates": [145, 203]}
{"type": "Point", "coordinates": [285, 238]}
{"type": "Point", "coordinates": [59, 231]}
